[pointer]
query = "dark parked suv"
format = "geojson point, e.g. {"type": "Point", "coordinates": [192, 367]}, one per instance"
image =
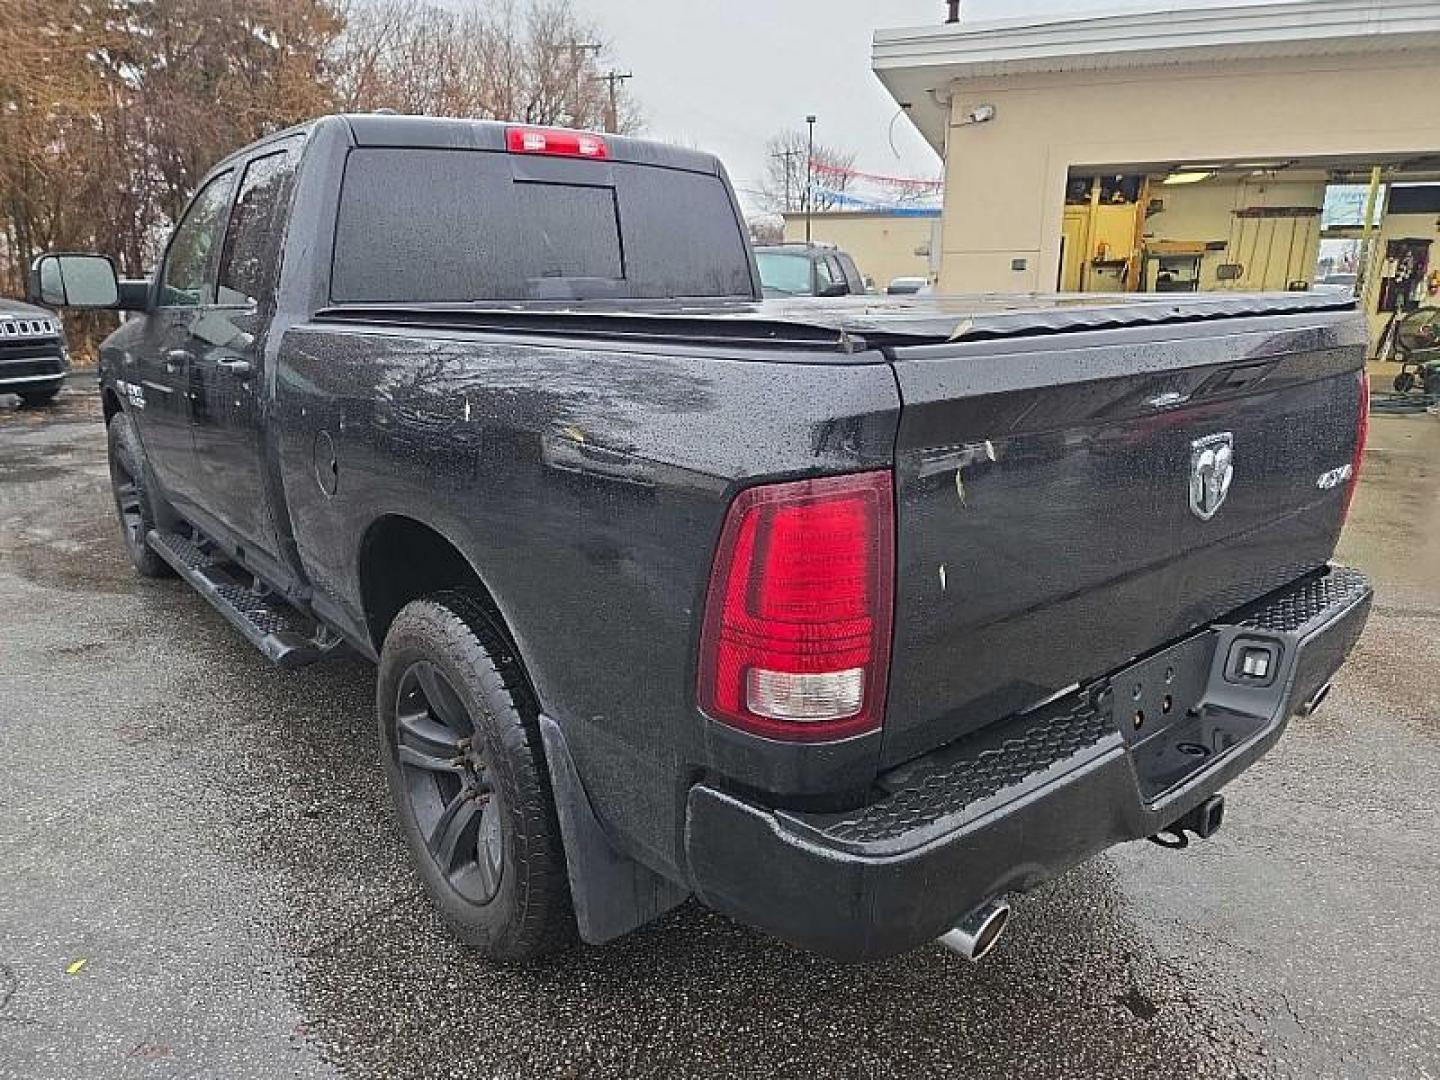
{"type": "Point", "coordinates": [33, 358]}
{"type": "Point", "coordinates": [807, 270]}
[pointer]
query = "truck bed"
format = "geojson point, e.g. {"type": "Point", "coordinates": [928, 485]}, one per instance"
{"type": "Point", "coordinates": [1043, 459]}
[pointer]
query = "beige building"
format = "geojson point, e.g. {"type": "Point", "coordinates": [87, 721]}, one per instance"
{"type": "Point", "coordinates": [1114, 151]}
{"type": "Point", "coordinates": [884, 245]}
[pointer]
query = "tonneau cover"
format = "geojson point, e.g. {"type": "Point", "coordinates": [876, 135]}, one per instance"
{"type": "Point", "coordinates": [849, 324]}
{"type": "Point", "coordinates": [951, 318]}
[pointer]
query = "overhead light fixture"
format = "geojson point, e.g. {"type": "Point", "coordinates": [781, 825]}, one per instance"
{"type": "Point", "coordinates": [1187, 177]}
{"type": "Point", "coordinates": [1267, 165]}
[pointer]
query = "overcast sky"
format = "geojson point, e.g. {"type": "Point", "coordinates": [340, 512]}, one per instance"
{"type": "Point", "coordinates": [724, 76]}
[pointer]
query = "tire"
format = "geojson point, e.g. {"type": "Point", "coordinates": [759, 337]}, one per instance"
{"type": "Point", "coordinates": [476, 811]}
{"type": "Point", "coordinates": [35, 398]}
{"type": "Point", "coordinates": [133, 492]}
{"type": "Point", "coordinates": [1404, 382]}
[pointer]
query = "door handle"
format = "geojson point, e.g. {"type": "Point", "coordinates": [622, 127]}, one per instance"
{"type": "Point", "coordinates": [235, 365]}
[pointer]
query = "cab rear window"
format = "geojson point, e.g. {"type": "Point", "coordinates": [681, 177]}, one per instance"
{"type": "Point", "coordinates": [454, 226]}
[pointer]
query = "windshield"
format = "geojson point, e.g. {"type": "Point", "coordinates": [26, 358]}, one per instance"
{"type": "Point", "coordinates": [784, 272]}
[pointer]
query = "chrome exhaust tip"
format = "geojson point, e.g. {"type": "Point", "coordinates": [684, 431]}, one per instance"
{"type": "Point", "coordinates": [977, 933]}
{"type": "Point", "coordinates": [1316, 700]}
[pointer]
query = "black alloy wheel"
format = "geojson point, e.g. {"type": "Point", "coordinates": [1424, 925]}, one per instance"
{"type": "Point", "coordinates": [463, 755]}
{"type": "Point", "coordinates": [447, 784]}
{"type": "Point", "coordinates": [134, 504]}
{"type": "Point", "coordinates": [127, 504]}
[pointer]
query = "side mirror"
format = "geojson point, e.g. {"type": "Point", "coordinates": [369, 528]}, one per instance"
{"type": "Point", "coordinates": [79, 281]}
{"type": "Point", "coordinates": [835, 288]}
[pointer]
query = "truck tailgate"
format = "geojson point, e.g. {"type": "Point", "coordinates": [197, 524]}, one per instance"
{"type": "Point", "coordinates": [1047, 527]}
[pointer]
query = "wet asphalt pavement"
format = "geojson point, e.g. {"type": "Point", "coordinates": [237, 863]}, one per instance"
{"type": "Point", "coordinates": [212, 838]}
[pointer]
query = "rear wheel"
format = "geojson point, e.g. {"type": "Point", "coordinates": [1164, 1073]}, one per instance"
{"type": "Point", "coordinates": [1404, 382]}
{"type": "Point", "coordinates": [462, 756]}
{"type": "Point", "coordinates": [134, 498]}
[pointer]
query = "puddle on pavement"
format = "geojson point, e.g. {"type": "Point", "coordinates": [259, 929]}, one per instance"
{"type": "Point", "coordinates": [1393, 527]}
{"type": "Point", "coordinates": [75, 546]}
{"type": "Point", "coordinates": [57, 522]}
{"type": "Point", "coordinates": [78, 401]}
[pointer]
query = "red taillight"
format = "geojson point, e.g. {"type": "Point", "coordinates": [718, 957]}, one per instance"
{"type": "Point", "coordinates": [560, 142]}
{"type": "Point", "coordinates": [796, 639]}
{"type": "Point", "coordinates": [1362, 433]}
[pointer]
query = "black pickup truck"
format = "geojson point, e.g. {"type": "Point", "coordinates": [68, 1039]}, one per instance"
{"type": "Point", "coordinates": [848, 618]}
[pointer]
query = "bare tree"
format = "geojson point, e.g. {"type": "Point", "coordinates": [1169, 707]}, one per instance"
{"type": "Point", "coordinates": [765, 228]}
{"type": "Point", "coordinates": [788, 184]}
{"type": "Point", "coordinates": [217, 74]}
{"type": "Point", "coordinates": [111, 110]}
{"type": "Point", "coordinates": [48, 93]}
{"type": "Point", "coordinates": [538, 63]}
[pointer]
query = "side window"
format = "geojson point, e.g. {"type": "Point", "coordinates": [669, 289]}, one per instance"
{"type": "Point", "coordinates": [837, 271]}
{"type": "Point", "coordinates": [186, 280]}
{"type": "Point", "coordinates": [250, 258]}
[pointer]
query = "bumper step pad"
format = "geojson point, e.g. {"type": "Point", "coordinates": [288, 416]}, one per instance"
{"type": "Point", "coordinates": [286, 636]}
{"type": "Point", "coordinates": [1302, 607]}
{"type": "Point", "coordinates": [958, 784]}
{"type": "Point", "coordinates": [970, 777]}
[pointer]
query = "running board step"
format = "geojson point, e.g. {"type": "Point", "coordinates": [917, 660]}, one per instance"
{"type": "Point", "coordinates": [288, 638]}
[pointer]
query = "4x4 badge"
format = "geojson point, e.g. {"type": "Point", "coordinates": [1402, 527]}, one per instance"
{"type": "Point", "coordinates": [1211, 470]}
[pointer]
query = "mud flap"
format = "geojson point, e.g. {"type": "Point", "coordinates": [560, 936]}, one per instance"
{"type": "Point", "coordinates": [612, 893]}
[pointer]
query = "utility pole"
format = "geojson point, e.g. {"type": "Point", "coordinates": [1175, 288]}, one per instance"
{"type": "Point", "coordinates": [577, 50]}
{"type": "Point", "coordinates": [614, 78]}
{"type": "Point", "coordinates": [809, 176]}
{"type": "Point", "coordinates": [787, 156]}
